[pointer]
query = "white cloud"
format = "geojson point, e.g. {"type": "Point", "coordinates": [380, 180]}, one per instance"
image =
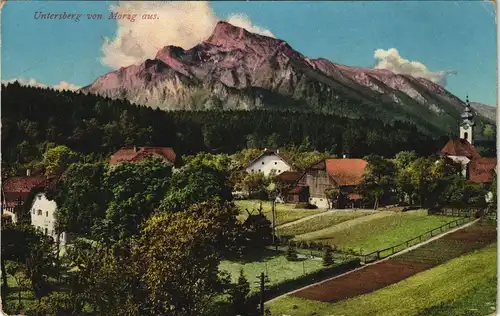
{"type": "Point", "coordinates": [63, 85]}
{"type": "Point", "coordinates": [183, 24]}
{"type": "Point", "coordinates": [391, 60]}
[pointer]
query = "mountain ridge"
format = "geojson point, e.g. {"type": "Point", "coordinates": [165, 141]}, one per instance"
{"type": "Point", "coordinates": [237, 69]}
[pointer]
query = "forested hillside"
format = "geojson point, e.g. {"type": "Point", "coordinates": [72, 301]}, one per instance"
{"type": "Point", "coordinates": [33, 118]}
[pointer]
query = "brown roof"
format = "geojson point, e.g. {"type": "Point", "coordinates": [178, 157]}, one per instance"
{"type": "Point", "coordinates": [140, 153]}
{"type": "Point", "coordinates": [19, 188]}
{"type": "Point", "coordinates": [482, 170]}
{"type": "Point", "coordinates": [460, 147]}
{"type": "Point", "coordinates": [289, 176]}
{"type": "Point", "coordinates": [346, 171]}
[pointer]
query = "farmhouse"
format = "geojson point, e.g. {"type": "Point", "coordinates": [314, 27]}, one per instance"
{"type": "Point", "coordinates": [343, 175]}
{"type": "Point", "coordinates": [18, 191]}
{"type": "Point", "coordinates": [476, 168]}
{"type": "Point", "coordinates": [269, 161]}
{"type": "Point", "coordinates": [134, 154]}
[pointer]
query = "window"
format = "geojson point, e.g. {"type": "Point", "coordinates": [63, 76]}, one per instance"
{"type": "Point", "coordinates": [39, 212]}
{"type": "Point", "coordinates": [46, 231]}
{"type": "Point", "coordinates": [33, 211]}
{"type": "Point", "coordinates": [46, 213]}
{"type": "Point", "coordinates": [279, 170]}
{"type": "Point", "coordinates": [275, 163]}
{"type": "Point", "coordinates": [262, 162]}
{"type": "Point", "coordinates": [39, 197]}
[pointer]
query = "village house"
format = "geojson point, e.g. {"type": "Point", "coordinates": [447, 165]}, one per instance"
{"type": "Point", "coordinates": [134, 154]}
{"type": "Point", "coordinates": [17, 191]}
{"type": "Point", "coordinates": [344, 174]}
{"type": "Point", "coordinates": [476, 168]}
{"type": "Point", "coordinates": [269, 161]}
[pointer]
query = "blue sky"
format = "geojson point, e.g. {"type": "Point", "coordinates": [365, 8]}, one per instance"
{"type": "Point", "coordinates": [443, 36]}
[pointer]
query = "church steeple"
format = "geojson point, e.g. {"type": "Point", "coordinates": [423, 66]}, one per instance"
{"type": "Point", "coordinates": [467, 124]}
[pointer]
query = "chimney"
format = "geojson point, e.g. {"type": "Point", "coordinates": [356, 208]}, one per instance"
{"type": "Point", "coordinates": [344, 156]}
{"type": "Point", "coordinates": [28, 172]}
{"type": "Point", "coordinates": [277, 151]}
{"type": "Point", "coordinates": [135, 148]}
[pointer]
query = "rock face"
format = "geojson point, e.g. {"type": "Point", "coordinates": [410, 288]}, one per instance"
{"type": "Point", "coordinates": [236, 69]}
{"type": "Point", "coordinates": [487, 111]}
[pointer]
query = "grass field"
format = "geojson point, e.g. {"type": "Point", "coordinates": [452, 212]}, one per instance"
{"type": "Point", "coordinates": [271, 262]}
{"type": "Point", "coordinates": [285, 212]}
{"type": "Point", "coordinates": [320, 222]}
{"type": "Point", "coordinates": [462, 286]}
{"type": "Point", "coordinates": [377, 231]}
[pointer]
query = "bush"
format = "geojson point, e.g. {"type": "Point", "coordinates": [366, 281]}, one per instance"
{"type": "Point", "coordinates": [305, 205]}
{"type": "Point", "coordinates": [327, 256]}
{"type": "Point", "coordinates": [291, 253]}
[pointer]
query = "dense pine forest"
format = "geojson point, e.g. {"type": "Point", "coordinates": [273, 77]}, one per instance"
{"type": "Point", "coordinates": [33, 118]}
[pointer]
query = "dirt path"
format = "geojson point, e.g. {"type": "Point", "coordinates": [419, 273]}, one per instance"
{"type": "Point", "coordinates": [303, 219]}
{"type": "Point", "coordinates": [387, 271]}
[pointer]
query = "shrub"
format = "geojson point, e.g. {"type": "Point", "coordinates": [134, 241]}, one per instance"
{"type": "Point", "coordinates": [327, 256]}
{"type": "Point", "coordinates": [291, 253]}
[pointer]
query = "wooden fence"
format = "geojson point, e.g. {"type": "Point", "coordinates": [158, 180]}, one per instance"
{"type": "Point", "coordinates": [383, 253]}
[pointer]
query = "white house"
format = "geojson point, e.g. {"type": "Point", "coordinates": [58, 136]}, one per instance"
{"type": "Point", "coordinates": [267, 162]}
{"type": "Point", "coordinates": [43, 217]}
{"type": "Point", "coordinates": [17, 191]}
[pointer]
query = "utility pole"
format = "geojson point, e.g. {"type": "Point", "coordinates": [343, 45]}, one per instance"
{"type": "Point", "coordinates": [273, 210]}
{"type": "Point", "coordinates": [261, 309]}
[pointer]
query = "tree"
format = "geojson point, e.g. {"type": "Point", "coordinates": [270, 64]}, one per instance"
{"type": "Point", "coordinates": [179, 263]}
{"type": "Point", "coordinates": [255, 184]}
{"type": "Point", "coordinates": [16, 270]}
{"type": "Point", "coordinates": [333, 196]}
{"type": "Point", "coordinates": [239, 296]}
{"type": "Point", "coordinates": [80, 197]}
{"type": "Point", "coordinates": [327, 256]}
{"type": "Point", "coordinates": [378, 179]}
{"type": "Point", "coordinates": [57, 159]}
{"type": "Point", "coordinates": [195, 183]}
{"type": "Point", "coordinates": [135, 189]}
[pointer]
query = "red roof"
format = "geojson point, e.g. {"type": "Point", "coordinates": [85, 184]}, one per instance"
{"type": "Point", "coordinates": [140, 153]}
{"type": "Point", "coordinates": [346, 171]}
{"type": "Point", "coordinates": [19, 188]}
{"type": "Point", "coordinates": [289, 176]}
{"type": "Point", "coordinates": [460, 147]}
{"type": "Point", "coordinates": [482, 170]}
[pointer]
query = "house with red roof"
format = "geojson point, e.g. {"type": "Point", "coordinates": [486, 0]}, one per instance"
{"type": "Point", "coordinates": [344, 174]}
{"type": "Point", "coordinates": [134, 154]}
{"type": "Point", "coordinates": [476, 168]}
{"type": "Point", "coordinates": [26, 194]}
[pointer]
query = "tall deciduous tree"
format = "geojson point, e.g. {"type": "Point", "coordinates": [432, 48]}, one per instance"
{"type": "Point", "coordinates": [135, 190]}
{"type": "Point", "coordinates": [378, 179]}
{"type": "Point", "coordinates": [179, 263]}
{"type": "Point", "coordinates": [194, 183]}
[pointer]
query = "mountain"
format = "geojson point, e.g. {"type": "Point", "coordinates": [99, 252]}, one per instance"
{"type": "Point", "coordinates": [487, 111]}
{"type": "Point", "coordinates": [236, 69]}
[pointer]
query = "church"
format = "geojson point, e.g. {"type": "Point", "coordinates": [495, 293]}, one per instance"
{"type": "Point", "coordinates": [476, 168]}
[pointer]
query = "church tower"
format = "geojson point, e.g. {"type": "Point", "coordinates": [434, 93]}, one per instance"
{"type": "Point", "coordinates": [467, 124]}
